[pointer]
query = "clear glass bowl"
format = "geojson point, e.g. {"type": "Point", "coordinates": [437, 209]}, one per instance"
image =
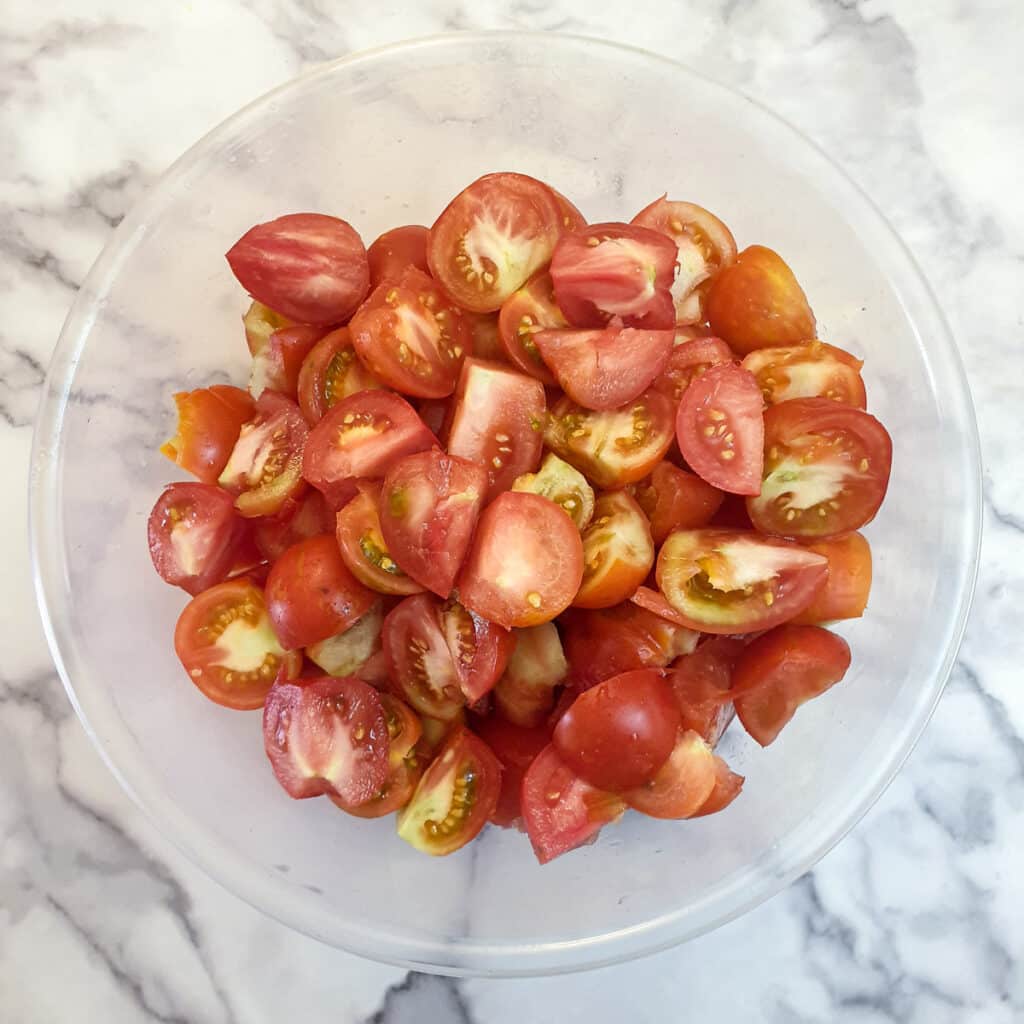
{"type": "Point", "coordinates": [388, 137]}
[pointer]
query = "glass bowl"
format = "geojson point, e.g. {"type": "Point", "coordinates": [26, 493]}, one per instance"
{"type": "Point", "coordinates": [384, 138]}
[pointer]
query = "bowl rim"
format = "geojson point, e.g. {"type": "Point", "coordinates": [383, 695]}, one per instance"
{"type": "Point", "coordinates": [459, 958]}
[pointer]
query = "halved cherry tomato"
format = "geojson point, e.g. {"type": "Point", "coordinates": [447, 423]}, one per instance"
{"type": "Point", "coordinates": [306, 517]}
{"type": "Point", "coordinates": [350, 652]}
{"type": "Point", "coordinates": [607, 367]}
{"type": "Point", "coordinates": [260, 322]}
{"type": "Point", "coordinates": [331, 372]}
{"type": "Point", "coordinates": [392, 252]}
{"type": "Point", "coordinates": [209, 421]}
{"type": "Point", "coordinates": [563, 484]}
{"type": "Point", "coordinates": [618, 552]}
{"type": "Point", "coordinates": [826, 469]}
{"type": "Point", "coordinates": [404, 728]}
{"type": "Point", "coordinates": [492, 237]}
{"type": "Point", "coordinates": [225, 641]}
{"type": "Point", "coordinates": [498, 421]}
{"type": "Point", "coordinates": [673, 499]}
{"type": "Point", "coordinates": [612, 448]}
{"type": "Point", "coordinates": [515, 748]}
{"type": "Point", "coordinates": [720, 429]}
{"type": "Point", "coordinates": [480, 650]}
{"type": "Point", "coordinates": [411, 337]}
{"type": "Point", "coordinates": [526, 562]}
{"type": "Point", "coordinates": [689, 358]}
{"type": "Point", "coordinates": [277, 365]}
{"type": "Point", "coordinates": [614, 269]}
{"type": "Point", "coordinates": [396, 792]}
{"type": "Point", "coordinates": [682, 785]}
{"type": "Point", "coordinates": [308, 266]}
{"type": "Point", "coordinates": [812, 370]}
{"type": "Point", "coordinates": [782, 670]}
{"type": "Point", "coordinates": [757, 303]}
{"type": "Point", "coordinates": [727, 787]}
{"type": "Point", "coordinates": [701, 681]}
{"type": "Point", "coordinates": [572, 219]}
{"type": "Point", "coordinates": [264, 469]}
{"type": "Point", "coordinates": [845, 594]}
{"type": "Point", "coordinates": [429, 505]}
{"type": "Point", "coordinates": [311, 595]}
{"type": "Point", "coordinates": [455, 798]}
{"type": "Point", "coordinates": [526, 692]}
{"type": "Point", "coordinates": [530, 309]}
{"type": "Point", "coordinates": [729, 581]}
{"type": "Point", "coordinates": [327, 735]}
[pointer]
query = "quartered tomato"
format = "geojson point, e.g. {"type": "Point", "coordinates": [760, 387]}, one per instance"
{"type": "Point", "coordinates": [492, 237]}
{"type": "Point", "coordinates": [525, 693]}
{"type": "Point", "coordinates": [845, 594]}
{"type": "Point", "coordinates": [301, 519]}
{"type": "Point", "coordinates": [812, 370]}
{"type": "Point", "coordinates": [682, 785]}
{"type": "Point", "coordinates": [689, 358]}
{"type": "Point", "coordinates": [483, 331]}
{"type": "Point", "coordinates": [530, 309]}
{"type": "Point", "coordinates": [618, 552]}
{"type": "Point", "coordinates": [673, 499]}
{"type": "Point", "coordinates": [209, 421]}
{"type": "Point", "coordinates": [351, 652]}
{"type": "Point", "coordinates": [480, 650]}
{"type": "Point", "coordinates": [826, 469]}
{"type": "Point", "coordinates": [436, 732]}
{"type": "Point", "coordinates": [727, 787]}
{"type": "Point", "coordinates": [436, 413]}
{"type": "Point", "coordinates": [330, 373]}
{"type": "Point", "coordinates": [782, 670]}
{"type": "Point", "coordinates": [260, 322]}
{"type": "Point", "coordinates": [572, 219]}
{"type": "Point", "coordinates": [225, 641]}
{"type": "Point", "coordinates": [654, 602]}
{"type": "Point", "coordinates": [526, 562]}
{"type": "Point", "coordinates": [455, 798]}
{"type": "Point", "coordinates": [613, 448]}
{"type": "Point", "coordinates": [563, 484]}
{"type": "Point", "coordinates": [701, 680]}
{"type": "Point", "coordinates": [307, 266]}
{"type": "Point", "coordinates": [277, 365]}
{"type": "Point", "coordinates": [720, 429]}
{"type": "Point", "coordinates": [730, 581]}
{"type": "Point", "coordinates": [396, 792]}
{"type": "Point", "coordinates": [392, 252]}
{"type": "Point", "coordinates": [404, 728]}
{"type": "Point", "coordinates": [410, 336]}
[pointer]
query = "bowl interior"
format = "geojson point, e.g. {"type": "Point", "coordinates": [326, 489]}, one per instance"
{"type": "Point", "coordinates": [388, 138]}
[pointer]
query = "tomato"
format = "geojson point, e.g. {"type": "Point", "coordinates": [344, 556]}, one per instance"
{"type": "Point", "coordinates": [526, 692]}
{"type": "Point", "coordinates": [277, 365]}
{"type": "Point", "coordinates": [730, 581]}
{"type": "Point", "coordinates": [193, 535]}
{"type": "Point", "coordinates": [560, 811]}
{"type": "Point", "coordinates": [311, 595]}
{"type": "Point", "coordinates": [515, 748]}
{"type": "Point", "coordinates": [307, 266]}
{"type": "Point", "coordinates": [653, 601]}
{"type": "Point", "coordinates": [845, 594]}
{"type": "Point", "coordinates": [701, 681]}
{"type": "Point", "coordinates": [689, 358]}
{"type": "Point", "coordinates": [704, 246]}
{"type": "Point", "coordinates": [404, 728]}
{"type": "Point", "coordinates": [498, 421]}
{"type": "Point", "coordinates": [396, 792]}
{"type": "Point", "coordinates": [572, 219]}
{"type": "Point", "coordinates": [812, 370]}
{"type": "Point", "coordinates": [673, 499]}
{"type": "Point", "coordinates": [727, 787]}
{"type": "Point", "coordinates": [826, 469]}
{"type": "Point", "coordinates": [359, 438]}
{"type": "Point", "coordinates": [617, 734]}
{"type": "Point", "coordinates": [720, 429]}
{"type": "Point", "coordinates": [436, 413]}
{"type": "Point", "coordinates": [604, 368]}
{"type": "Point", "coordinates": [436, 732]}
{"type": "Point", "coordinates": [480, 650]}
{"type": "Point", "coordinates": [392, 252]}
{"type": "Point", "coordinates": [492, 237]}
{"type": "Point", "coordinates": [455, 798]}
{"type": "Point", "coordinates": [757, 303]}
{"type": "Point", "coordinates": [563, 484]}
{"type": "Point", "coordinates": [330, 373]}
{"type": "Point", "coordinates": [411, 337]}
{"type": "Point", "coordinates": [225, 641]}
{"type": "Point", "coordinates": [421, 665]}
{"type": "Point", "coordinates": [264, 469]}
{"type": "Point", "coordinates": [782, 670]}
{"type": "Point", "coordinates": [305, 517]}
{"type": "Point", "coordinates": [618, 552]}
{"type": "Point", "coordinates": [526, 562]}
{"type": "Point", "coordinates": [209, 421]}
{"type": "Point", "coordinates": [327, 735]}
{"type": "Point", "coordinates": [260, 322]}
{"type": "Point", "coordinates": [608, 270]}
{"type": "Point", "coordinates": [528, 310]}
{"type": "Point", "coordinates": [483, 331]}
{"type": "Point", "coordinates": [732, 514]}
{"type": "Point", "coordinates": [613, 448]}
{"type": "Point", "coordinates": [429, 505]}
{"type": "Point", "coordinates": [683, 783]}
{"type": "Point", "coordinates": [363, 548]}
{"type": "Point", "coordinates": [348, 653]}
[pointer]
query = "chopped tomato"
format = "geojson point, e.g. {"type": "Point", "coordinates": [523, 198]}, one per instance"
{"type": "Point", "coordinates": [209, 421]}
{"type": "Point", "coordinates": [392, 252]}
{"type": "Point", "coordinates": [277, 365]}
{"type": "Point", "coordinates": [618, 552]}
{"type": "Point", "coordinates": [528, 310]}
{"type": "Point", "coordinates": [813, 370]}
{"type": "Point", "coordinates": [515, 748]}
{"type": "Point", "coordinates": [404, 728]}
{"type": "Point", "coordinates": [260, 322]}
{"type": "Point", "coordinates": [396, 792]}
{"type": "Point", "coordinates": [845, 594]}
{"type": "Point", "coordinates": [436, 413]}
{"type": "Point", "coordinates": [330, 373]}
{"type": "Point", "coordinates": [701, 680]}
{"type": "Point", "coordinates": [682, 785]}
{"type": "Point", "coordinates": [483, 330]}
{"type": "Point", "coordinates": [654, 601]}
{"type": "Point", "coordinates": [526, 691]}
{"type": "Point", "coordinates": [436, 731]}
{"type": "Point", "coordinates": [689, 358]}
{"type": "Point", "coordinates": [727, 787]}
{"type": "Point", "coordinates": [480, 650]}
{"type": "Point", "coordinates": [572, 219]}
{"type": "Point", "coordinates": [732, 514]}
{"type": "Point", "coordinates": [352, 651]}
{"type": "Point", "coordinates": [298, 520]}
{"type": "Point", "coordinates": [673, 499]}
{"type": "Point", "coordinates": [563, 484]}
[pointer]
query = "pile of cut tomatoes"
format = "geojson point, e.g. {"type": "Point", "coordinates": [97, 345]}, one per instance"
{"type": "Point", "coordinates": [518, 512]}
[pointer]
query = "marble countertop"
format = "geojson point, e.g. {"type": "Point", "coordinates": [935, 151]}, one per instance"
{"type": "Point", "coordinates": [915, 917]}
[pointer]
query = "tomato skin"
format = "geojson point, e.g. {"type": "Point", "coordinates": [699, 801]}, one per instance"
{"type": "Point", "coordinates": [307, 266]}
{"type": "Point", "coordinates": [298, 520]}
{"type": "Point", "coordinates": [682, 785]}
{"type": "Point", "coordinates": [727, 787]}
{"type": "Point", "coordinates": [782, 670]}
{"type": "Point", "coordinates": [311, 595]}
{"type": "Point", "coordinates": [845, 594]}
{"type": "Point", "coordinates": [757, 303]}
{"type": "Point", "coordinates": [811, 370]}
{"type": "Point", "coordinates": [277, 365]}
{"type": "Point", "coordinates": [209, 421]}
{"type": "Point", "coordinates": [480, 650]}
{"type": "Point", "coordinates": [653, 601]}
{"type": "Point", "coordinates": [572, 219]}
{"type": "Point", "coordinates": [396, 792]}
{"type": "Point", "coordinates": [673, 499]}
{"type": "Point", "coordinates": [330, 373]}
{"type": "Point", "coordinates": [618, 552]}
{"type": "Point", "coordinates": [401, 247]}
{"type": "Point", "coordinates": [528, 310]}
{"type": "Point", "coordinates": [617, 734]}
{"type": "Point", "coordinates": [525, 693]}
{"type": "Point", "coordinates": [689, 358]}
{"type": "Point", "coordinates": [700, 682]}
{"type": "Point", "coordinates": [260, 322]}
{"type": "Point", "coordinates": [515, 748]}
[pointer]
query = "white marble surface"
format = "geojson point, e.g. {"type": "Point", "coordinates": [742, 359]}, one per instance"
{"type": "Point", "coordinates": [915, 917]}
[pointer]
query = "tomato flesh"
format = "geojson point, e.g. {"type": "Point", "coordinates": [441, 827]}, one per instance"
{"type": "Point", "coordinates": [701, 680]}
{"type": "Point", "coordinates": [352, 651]}
{"type": "Point", "coordinates": [260, 322]}
{"type": "Point", "coordinates": [480, 650]}
{"type": "Point", "coordinates": [845, 594]}
{"type": "Point", "coordinates": [814, 370]}
{"type": "Point", "coordinates": [689, 358]}
{"type": "Point", "coordinates": [673, 499]}
{"type": "Point", "coordinates": [682, 785]}
{"type": "Point", "coordinates": [727, 787]}
{"type": "Point", "coordinates": [525, 693]}
{"type": "Point", "coordinates": [209, 422]}
{"type": "Point", "coordinates": [530, 309]}
{"type": "Point", "coordinates": [276, 367]}
{"type": "Point", "coordinates": [515, 748]}
{"type": "Point", "coordinates": [563, 484]}
{"type": "Point", "coordinates": [331, 372]}
{"type": "Point", "coordinates": [297, 520]}
{"type": "Point", "coordinates": [395, 250]}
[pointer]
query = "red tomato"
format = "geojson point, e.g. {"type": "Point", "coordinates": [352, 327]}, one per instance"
{"type": "Point", "coordinates": [609, 270]}
{"type": "Point", "coordinates": [563, 484]}
{"type": "Point", "coordinates": [654, 601]}
{"type": "Point", "coordinates": [392, 796]}
{"type": "Point", "coordinates": [727, 787]}
{"type": "Point", "coordinates": [411, 337]}
{"type": "Point", "coordinates": [209, 421]}
{"type": "Point", "coordinates": [260, 322]}
{"type": "Point", "coordinates": [701, 681]}
{"type": "Point", "coordinates": [782, 670]}
{"type": "Point", "coordinates": [429, 506]}
{"type": "Point", "coordinates": [492, 237]}
{"type": "Point", "coordinates": [308, 266]}
{"type": "Point", "coordinates": [720, 429]}
{"type": "Point", "coordinates": [436, 732]}
{"type": "Point", "coordinates": [618, 552]}
{"type": "Point", "coordinates": [732, 515]}
{"type": "Point", "coordinates": [612, 448]}
{"type": "Point", "coordinates": [560, 811]}
{"type": "Point", "coordinates": [498, 420]}
{"type": "Point", "coordinates": [525, 693]}
{"type": "Point", "coordinates": [515, 748]}
{"type": "Point", "coordinates": [616, 735]}
{"type": "Point", "coordinates": [730, 581]}
{"type": "Point", "coordinates": [526, 562]}
{"type": "Point", "coordinates": [845, 594]}
{"type": "Point", "coordinates": [306, 517]}
{"type": "Point", "coordinates": [228, 648]}
{"type": "Point", "coordinates": [530, 309]}
{"type": "Point", "coordinates": [483, 329]}
{"type": "Point", "coordinates": [572, 219]}
{"type": "Point", "coordinates": [812, 370]}
{"type": "Point", "coordinates": [673, 499]}
{"type": "Point", "coordinates": [682, 785]}
{"type": "Point", "coordinates": [392, 252]}
{"type": "Point", "coordinates": [687, 361]}
{"type": "Point", "coordinates": [311, 595]}
{"type": "Point", "coordinates": [327, 735]}
{"type": "Point", "coordinates": [404, 728]}
{"type": "Point", "coordinates": [356, 651]}
{"type": "Point", "coordinates": [826, 469]}
{"type": "Point", "coordinates": [330, 373]}
{"type": "Point", "coordinates": [480, 650]}
{"type": "Point", "coordinates": [436, 413]}
{"type": "Point", "coordinates": [757, 303]}
{"type": "Point", "coordinates": [277, 365]}
{"type": "Point", "coordinates": [455, 798]}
